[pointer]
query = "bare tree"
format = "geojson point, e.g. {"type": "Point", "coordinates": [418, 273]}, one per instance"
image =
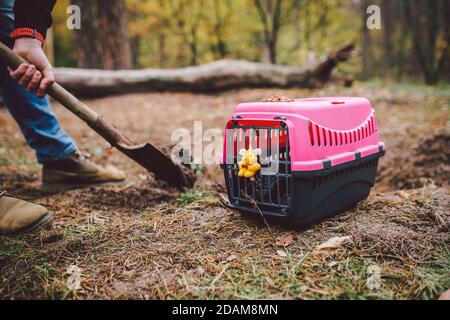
{"type": "Point", "coordinates": [397, 46]}
{"type": "Point", "coordinates": [135, 40]}
{"type": "Point", "coordinates": [388, 30]}
{"type": "Point", "coordinates": [186, 21]}
{"type": "Point", "coordinates": [162, 34]}
{"type": "Point", "coordinates": [87, 44]}
{"type": "Point", "coordinates": [220, 19]}
{"type": "Point", "coordinates": [316, 20]}
{"type": "Point", "coordinates": [102, 41]}
{"type": "Point", "coordinates": [115, 47]}
{"type": "Point", "coordinates": [270, 16]}
{"type": "Point", "coordinates": [298, 23]}
{"type": "Point", "coordinates": [365, 40]}
{"type": "Point", "coordinates": [444, 60]}
{"type": "Point", "coordinates": [423, 22]}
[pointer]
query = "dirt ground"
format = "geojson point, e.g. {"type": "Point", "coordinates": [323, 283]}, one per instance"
{"type": "Point", "coordinates": [143, 240]}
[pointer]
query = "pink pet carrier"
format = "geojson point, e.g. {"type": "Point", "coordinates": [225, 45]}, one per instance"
{"type": "Point", "coordinates": [315, 157]}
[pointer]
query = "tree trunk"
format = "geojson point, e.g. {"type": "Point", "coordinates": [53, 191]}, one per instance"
{"type": "Point", "coordinates": [220, 47]}
{"type": "Point", "coordinates": [135, 40]}
{"type": "Point", "coordinates": [298, 23]}
{"type": "Point", "coordinates": [216, 76]}
{"type": "Point", "coordinates": [87, 43]}
{"type": "Point", "coordinates": [135, 46]}
{"type": "Point", "coordinates": [162, 49]}
{"type": "Point", "coordinates": [444, 59]}
{"type": "Point", "coordinates": [401, 56]}
{"type": "Point", "coordinates": [388, 30]}
{"type": "Point", "coordinates": [116, 53]}
{"type": "Point", "coordinates": [365, 41]}
{"type": "Point", "coordinates": [270, 17]}
{"type": "Point", "coordinates": [423, 21]}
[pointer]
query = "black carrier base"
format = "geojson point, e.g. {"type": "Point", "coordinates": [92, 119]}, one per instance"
{"type": "Point", "coordinates": [310, 196]}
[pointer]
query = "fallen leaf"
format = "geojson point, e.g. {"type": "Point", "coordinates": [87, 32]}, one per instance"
{"type": "Point", "coordinates": [232, 257]}
{"type": "Point", "coordinates": [334, 243]}
{"type": "Point", "coordinates": [143, 176]}
{"type": "Point", "coordinates": [51, 236]}
{"type": "Point", "coordinates": [402, 194]}
{"type": "Point", "coordinates": [392, 198]}
{"type": "Point", "coordinates": [284, 241]}
{"type": "Point", "coordinates": [200, 270]}
{"type": "Point", "coordinates": [109, 151]}
{"type": "Point", "coordinates": [445, 295]}
{"type": "Point", "coordinates": [73, 280]}
{"type": "Point", "coordinates": [332, 264]}
{"type": "Point", "coordinates": [270, 282]}
{"type": "Point", "coordinates": [282, 253]}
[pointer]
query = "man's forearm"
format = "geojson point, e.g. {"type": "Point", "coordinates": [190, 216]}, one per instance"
{"type": "Point", "coordinates": [33, 14]}
{"type": "Point", "coordinates": [32, 19]}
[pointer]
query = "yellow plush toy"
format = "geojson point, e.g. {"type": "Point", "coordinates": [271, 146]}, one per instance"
{"type": "Point", "coordinates": [249, 165]}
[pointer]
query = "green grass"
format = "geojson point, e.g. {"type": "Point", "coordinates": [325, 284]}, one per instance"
{"type": "Point", "coordinates": [77, 235]}
{"type": "Point", "coordinates": [340, 275]}
{"type": "Point", "coordinates": [434, 279]}
{"type": "Point", "coordinates": [11, 248]}
{"type": "Point", "coordinates": [14, 154]}
{"type": "Point", "coordinates": [192, 196]}
{"type": "Point", "coordinates": [44, 270]}
{"type": "Point", "coordinates": [4, 161]}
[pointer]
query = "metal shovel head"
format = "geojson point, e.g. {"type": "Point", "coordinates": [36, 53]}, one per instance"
{"type": "Point", "coordinates": [156, 162]}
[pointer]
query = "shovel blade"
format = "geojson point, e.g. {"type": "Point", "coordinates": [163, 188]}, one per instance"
{"type": "Point", "coordinates": [155, 161]}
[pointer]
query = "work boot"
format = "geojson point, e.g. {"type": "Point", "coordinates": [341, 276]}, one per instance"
{"type": "Point", "coordinates": [76, 170]}
{"type": "Point", "coordinates": [19, 216]}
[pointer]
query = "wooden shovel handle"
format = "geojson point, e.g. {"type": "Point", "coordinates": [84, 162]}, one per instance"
{"type": "Point", "coordinates": [69, 101]}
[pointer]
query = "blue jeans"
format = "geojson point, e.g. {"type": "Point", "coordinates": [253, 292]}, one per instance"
{"type": "Point", "coordinates": [34, 115]}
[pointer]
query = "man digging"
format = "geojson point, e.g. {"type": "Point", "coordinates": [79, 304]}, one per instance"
{"type": "Point", "coordinates": [23, 26]}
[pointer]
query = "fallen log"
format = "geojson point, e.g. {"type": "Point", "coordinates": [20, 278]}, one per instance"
{"type": "Point", "coordinates": [216, 76]}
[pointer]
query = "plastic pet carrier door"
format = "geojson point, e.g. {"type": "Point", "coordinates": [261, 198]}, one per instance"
{"type": "Point", "coordinates": [269, 189]}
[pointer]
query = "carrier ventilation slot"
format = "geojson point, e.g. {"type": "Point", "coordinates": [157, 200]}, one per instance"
{"type": "Point", "coordinates": [320, 136]}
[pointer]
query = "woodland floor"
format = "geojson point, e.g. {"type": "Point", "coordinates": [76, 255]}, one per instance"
{"type": "Point", "coordinates": [143, 240]}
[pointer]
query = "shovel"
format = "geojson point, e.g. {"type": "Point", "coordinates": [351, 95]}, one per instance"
{"type": "Point", "coordinates": [146, 155]}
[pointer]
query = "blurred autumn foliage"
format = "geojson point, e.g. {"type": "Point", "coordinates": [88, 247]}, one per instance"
{"type": "Point", "coordinates": [414, 40]}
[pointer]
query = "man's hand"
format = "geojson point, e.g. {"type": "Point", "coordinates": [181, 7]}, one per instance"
{"type": "Point", "coordinates": [36, 75]}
